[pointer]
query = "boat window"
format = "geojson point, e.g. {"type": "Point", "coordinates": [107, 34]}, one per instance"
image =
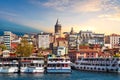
{"type": "Point", "coordinates": [84, 67]}
{"type": "Point", "coordinates": [39, 65]}
{"type": "Point", "coordinates": [119, 65]}
{"type": "Point", "coordinates": [58, 65]}
{"type": "Point", "coordinates": [62, 65]}
{"type": "Point", "coordinates": [94, 67]}
{"type": "Point", "coordinates": [65, 65]}
{"type": "Point", "coordinates": [91, 68]}
{"type": "Point", "coordinates": [32, 64]}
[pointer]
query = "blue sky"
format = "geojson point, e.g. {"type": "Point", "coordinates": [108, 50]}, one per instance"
{"type": "Point", "coordinates": [102, 16]}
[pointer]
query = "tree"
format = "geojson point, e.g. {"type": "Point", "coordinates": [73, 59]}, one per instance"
{"type": "Point", "coordinates": [117, 55]}
{"type": "Point", "coordinates": [24, 49]}
{"type": "Point", "coordinates": [3, 47]}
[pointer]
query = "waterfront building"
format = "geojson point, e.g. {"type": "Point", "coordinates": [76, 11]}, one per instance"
{"type": "Point", "coordinates": [112, 41]}
{"type": "Point", "coordinates": [61, 50]}
{"type": "Point", "coordinates": [7, 39]}
{"type": "Point", "coordinates": [88, 37]}
{"type": "Point", "coordinates": [115, 40]}
{"type": "Point", "coordinates": [83, 53]}
{"type": "Point", "coordinates": [43, 40]}
{"type": "Point", "coordinates": [72, 41]}
{"type": "Point", "coordinates": [59, 42]}
{"type": "Point", "coordinates": [85, 36]}
{"type": "Point", "coordinates": [6, 53]}
{"type": "Point", "coordinates": [97, 39]}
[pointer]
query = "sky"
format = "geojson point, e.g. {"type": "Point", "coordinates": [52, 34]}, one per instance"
{"type": "Point", "coordinates": [100, 16]}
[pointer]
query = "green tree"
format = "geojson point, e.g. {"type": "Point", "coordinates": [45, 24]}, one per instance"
{"type": "Point", "coordinates": [24, 49]}
{"type": "Point", "coordinates": [3, 47]}
{"type": "Point", "coordinates": [117, 55]}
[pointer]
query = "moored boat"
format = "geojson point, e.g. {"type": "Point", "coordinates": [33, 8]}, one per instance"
{"type": "Point", "coordinates": [58, 65]}
{"type": "Point", "coordinates": [98, 64]}
{"type": "Point", "coordinates": [32, 65]}
{"type": "Point", "coordinates": [9, 65]}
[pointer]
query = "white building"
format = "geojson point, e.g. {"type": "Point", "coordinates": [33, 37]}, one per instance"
{"type": "Point", "coordinates": [97, 39]}
{"type": "Point", "coordinates": [61, 50]}
{"type": "Point", "coordinates": [115, 40]}
{"type": "Point", "coordinates": [43, 40]}
{"type": "Point", "coordinates": [91, 38]}
{"type": "Point", "coordinates": [1, 39]}
{"type": "Point", "coordinates": [72, 42]}
{"type": "Point", "coordinates": [85, 36]}
{"type": "Point", "coordinates": [6, 53]}
{"type": "Point", "coordinates": [7, 39]}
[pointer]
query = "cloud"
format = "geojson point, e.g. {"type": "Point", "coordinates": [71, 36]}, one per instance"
{"type": "Point", "coordinates": [113, 17]}
{"type": "Point", "coordinates": [8, 13]}
{"type": "Point", "coordinates": [71, 5]}
{"type": "Point", "coordinates": [79, 5]}
{"type": "Point", "coordinates": [102, 25]}
{"type": "Point", "coordinates": [10, 16]}
{"type": "Point", "coordinates": [87, 6]}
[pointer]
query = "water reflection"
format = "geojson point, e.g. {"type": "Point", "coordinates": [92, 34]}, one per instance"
{"type": "Point", "coordinates": [75, 75]}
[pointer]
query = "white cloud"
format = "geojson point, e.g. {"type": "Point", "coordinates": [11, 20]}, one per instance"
{"type": "Point", "coordinates": [8, 13]}
{"type": "Point", "coordinates": [102, 25]}
{"type": "Point", "coordinates": [113, 17]}
{"type": "Point", "coordinates": [70, 5]}
{"type": "Point", "coordinates": [79, 5]}
{"type": "Point", "coordinates": [87, 6]}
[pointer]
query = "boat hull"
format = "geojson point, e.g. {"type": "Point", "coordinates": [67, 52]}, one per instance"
{"type": "Point", "coordinates": [32, 70]}
{"type": "Point", "coordinates": [9, 70]}
{"type": "Point", "coordinates": [59, 71]}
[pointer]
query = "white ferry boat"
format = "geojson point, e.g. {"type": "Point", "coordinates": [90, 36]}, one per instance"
{"type": "Point", "coordinates": [9, 65]}
{"type": "Point", "coordinates": [58, 65]}
{"type": "Point", "coordinates": [32, 65]}
{"type": "Point", "coordinates": [98, 64]}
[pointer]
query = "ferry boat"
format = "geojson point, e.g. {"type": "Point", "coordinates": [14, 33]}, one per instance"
{"type": "Point", "coordinates": [9, 65]}
{"type": "Point", "coordinates": [58, 65]}
{"type": "Point", "coordinates": [32, 65]}
{"type": "Point", "coordinates": [98, 64]}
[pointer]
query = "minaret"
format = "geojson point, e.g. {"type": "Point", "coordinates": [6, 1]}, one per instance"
{"type": "Point", "coordinates": [72, 31]}
{"type": "Point", "coordinates": [58, 28]}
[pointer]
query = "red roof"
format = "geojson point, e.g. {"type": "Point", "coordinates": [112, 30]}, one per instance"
{"type": "Point", "coordinates": [14, 45]}
{"type": "Point", "coordinates": [114, 34]}
{"type": "Point", "coordinates": [83, 50]}
{"type": "Point", "coordinates": [60, 39]}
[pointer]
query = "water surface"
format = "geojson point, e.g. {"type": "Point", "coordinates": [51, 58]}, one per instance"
{"type": "Point", "coordinates": [76, 75]}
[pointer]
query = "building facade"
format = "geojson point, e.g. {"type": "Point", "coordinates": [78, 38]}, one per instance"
{"type": "Point", "coordinates": [61, 50]}
{"type": "Point", "coordinates": [88, 37]}
{"type": "Point", "coordinates": [43, 40]}
{"type": "Point", "coordinates": [7, 39]}
{"type": "Point", "coordinates": [72, 41]}
{"type": "Point", "coordinates": [85, 36]}
{"type": "Point", "coordinates": [115, 40]}
{"type": "Point", "coordinates": [97, 39]}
